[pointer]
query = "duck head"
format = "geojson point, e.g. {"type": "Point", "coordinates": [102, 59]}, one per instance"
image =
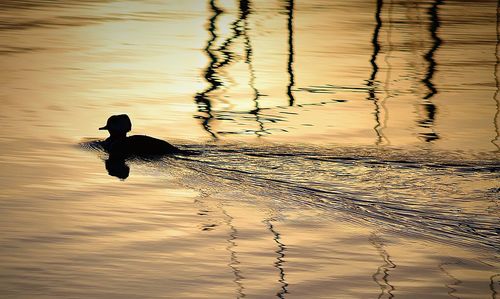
{"type": "Point", "coordinates": [118, 126]}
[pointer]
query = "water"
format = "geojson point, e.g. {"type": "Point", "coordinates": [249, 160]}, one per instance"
{"type": "Point", "coordinates": [348, 149]}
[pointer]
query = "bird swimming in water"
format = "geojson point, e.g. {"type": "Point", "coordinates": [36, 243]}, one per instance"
{"type": "Point", "coordinates": [118, 144]}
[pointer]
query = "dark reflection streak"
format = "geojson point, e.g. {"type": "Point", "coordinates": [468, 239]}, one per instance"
{"type": "Point", "coordinates": [238, 30]}
{"type": "Point", "coordinates": [376, 45]}
{"type": "Point", "coordinates": [233, 236]}
{"type": "Point", "coordinates": [371, 82]}
{"type": "Point", "coordinates": [212, 73]}
{"type": "Point", "coordinates": [494, 292]}
{"type": "Point", "coordinates": [430, 108]}
{"type": "Point", "coordinates": [388, 74]}
{"type": "Point", "coordinates": [279, 260]}
{"type": "Point", "coordinates": [202, 99]}
{"type": "Point", "coordinates": [456, 281]}
{"type": "Point", "coordinates": [495, 74]}
{"type": "Point", "coordinates": [429, 56]}
{"type": "Point", "coordinates": [290, 8]}
{"type": "Point", "coordinates": [385, 268]}
{"type": "Point", "coordinates": [245, 5]}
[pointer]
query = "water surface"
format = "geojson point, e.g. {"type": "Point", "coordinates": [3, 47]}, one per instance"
{"type": "Point", "coordinates": [349, 149]}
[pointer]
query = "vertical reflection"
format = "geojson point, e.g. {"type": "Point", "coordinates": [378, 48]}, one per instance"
{"type": "Point", "coordinates": [494, 279]}
{"type": "Point", "coordinates": [202, 99]}
{"type": "Point", "coordinates": [233, 264]}
{"type": "Point", "coordinates": [429, 56]}
{"type": "Point", "coordinates": [388, 72]}
{"type": "Point", "coordinates": [245, 7]}
{"type": "Point", "coordinates": [495, 74]}
{"type": "Point", "coordinates": [456, 282]}
{"type": "Point", "coordinates": [373, 76]}
{"type": "Point", "coordinates": [279, 260]}
{"type": "Point", "coordinates": [237, 30]}
{"type": "Point", "coordinates": [220, 58]}
{"type": "Point", "coordinates": [430, 108]}
{"type": "Point", "coordinates": [381, 276]}
{"type": "Point", "coordinates": [290, 7]}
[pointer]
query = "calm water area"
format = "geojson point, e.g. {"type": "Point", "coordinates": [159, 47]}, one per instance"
{"type": "Point", "coordinates": [348, 149]}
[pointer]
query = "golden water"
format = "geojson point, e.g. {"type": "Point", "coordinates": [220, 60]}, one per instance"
{"type": "Point", "coordinates": [350, 149]}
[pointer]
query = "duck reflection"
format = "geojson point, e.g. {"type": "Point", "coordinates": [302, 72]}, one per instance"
{"type": "Point", "coordinates": [116, 166]}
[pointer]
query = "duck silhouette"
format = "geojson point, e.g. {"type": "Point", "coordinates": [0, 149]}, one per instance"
{"type": "Point", "coordinates": [119, 145]}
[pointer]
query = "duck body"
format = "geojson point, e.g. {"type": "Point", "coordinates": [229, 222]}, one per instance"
{"type": "Point", "coordinates": [120, 146]}
{"type": "Point", "coordinates": [138, 145]}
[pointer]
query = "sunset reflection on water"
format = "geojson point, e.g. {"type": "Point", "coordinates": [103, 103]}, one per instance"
{"type": "Point", "coordinates": [348, 149]}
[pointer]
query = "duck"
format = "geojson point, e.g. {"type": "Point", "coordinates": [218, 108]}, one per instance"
{"type": "Point", "coordinates": [119, 144]}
